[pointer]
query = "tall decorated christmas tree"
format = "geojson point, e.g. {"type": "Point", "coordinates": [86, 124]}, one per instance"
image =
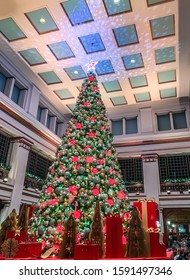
{"type": "Point", "coordinates": [85, 170]}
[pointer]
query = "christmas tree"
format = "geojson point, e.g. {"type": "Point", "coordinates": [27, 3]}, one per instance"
{"type": "Point", "coordinates": [85, 170]}
{"type": "Point", "coordinates": [136, 246]}
{"type": "Point", "coordinates": [69, 239]}
{"type": "Point", "coordinates": [96, 231]}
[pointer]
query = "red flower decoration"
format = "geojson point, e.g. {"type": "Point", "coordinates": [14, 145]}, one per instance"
{"type": "Point", "coordinates": [52, 170]}
{"type": "Point", "coordinates": [110, 201]}
{"type": "Point", "coordinates": [89, 159]}
{"type": "Point", "coordinates": [78, 166]}
{"type": "Point", "coordinates": [43, 204]}
{"type": "Point", "coordinates": [100, 161]}
{"type": "Point", "coordinates": [99, 101]}
{"type": "Point", "coordinates": [83, 88]}
{"type": "Point", "coordinates": [74, 159]}
{"type": "Point", "coordinates": [121, 195]}
{"type": "Point", "coordinates": [78, 125]}
{"type": "Point", "coordinates": [72, 188]}
{"type": "Point", "coordinates": [67, 132]}
{"type": "Point", "coordinates": [126, 215]}
{"type": "Point", "coordinates": [94, 170]}
{"type": "Point", "coordinates": [72, 142]}
{"type": "Point", "coordinates": [49, 189]}
{"type": "Point", "coordinates": [107, 153]}
{"type": "Point", "coordinates": [91, 79]}
{"type": "Point", "coordinates": [92, 119]}
{"type": "Point", "coordinates": [87, 147]}
{"type": "Point", "coordinates": [77, 214]}
{"type": "Point", "coordinates": [112, 181]}
{"type": "Point", "coordinates": [91, 134]}
{"type": "Point", "coordinates": [96, 88]}
{"type": "Point", "coordinates": [59, 228]}
{"type": "Point", "coordinates": [86, 103]}
{"type": "Point", "coordinates": [60, 154]}
{"type": "Point", "coordinates": [53, 201]}
{"type": "Point", "coordinates": [96, 191]}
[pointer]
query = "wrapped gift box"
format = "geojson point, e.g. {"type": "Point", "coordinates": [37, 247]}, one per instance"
{"type": "Point", "coordinates": [21, 236]}
{"type": "Point", "coordinates": [157, 248]}
{"type": "Point", "coordinates": [114, 232]}
{"type": "Point", "coordinates": [29, 250]}
{"type": "Point", "coordinates": [148, 214]}
{"type": "Point", "coordinates": [87, 252]}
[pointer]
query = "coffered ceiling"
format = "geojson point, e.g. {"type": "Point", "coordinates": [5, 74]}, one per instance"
{"type": "Point", "coordinates": [137, 45]}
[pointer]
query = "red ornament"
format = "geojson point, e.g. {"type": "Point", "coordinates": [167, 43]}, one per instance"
{"type": "Point", "coordinates": [126, 215]}
{"type": "Point", "coordinates": [72, 142]}
{"type": "Point", "coordinates": [77, 214]}
{"type": "Point", "coordinates": [96, 191]}
{"type": "Point", "coordinates": [86, 104]}
{"type": "Point", "coordinates": [59, 228]}
{"type": "Point", "coordinates": [89, 159]}
{"type": "Point", "coordinates": [60, 154]}
{"type": "Point", "coordinates": [72, 188]}
{"type": "Point", "coordinates": [43, 204]}
{"type": "Point", "coordinates": [96, 88]}
{"type": "Point", "coordinates": [99, 101]}
{"type": "Point", "coordinates": [74, 159]}
{"type": "Point", "coordinates": [91, 79]}
{"type": "Point", "coordinates": [91, 134]}
{"type": "Point", "coordinates": [100, 161]}
{"type": "Point", "coordinates": [110, 201]}
{"type": "Point", "coordinates": [53, 201]}
{"type": "Point", "coordinates": [94, 170]}
{"type": "Point", "coordinates": [121, 195]}
{"type": "Point", "coordinates": [78, 125]}
{"type": "Point", "coordinates": [107, 153]}
{"type": "Point", "coordinates": [78, 166]}
{"type": "Point", "coordinates": [92, 119]}
{"type": "Point", "coordinates": [49, 189]}
{"type": "Point", "coordinates": [87, 147]}
{"type": "Point", "coordinates": [68, 133]}
{"type": "Point", "coordinates": [112, 181]}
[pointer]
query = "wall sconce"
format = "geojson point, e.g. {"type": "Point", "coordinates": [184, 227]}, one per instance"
{"type": "Point", "coordinates": [137, 193]}
{"type": "Point", "coordinates": [168, 192]}
{"type": "Point", "coordinates": [5, 180]}
{"type": "Point", "coordinates": [189, 191]}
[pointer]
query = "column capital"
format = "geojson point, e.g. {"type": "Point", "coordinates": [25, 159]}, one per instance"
{"type": "Point", "coordinates": [149, 157]}
{"type": "Point", "coordinates": [23, 142]}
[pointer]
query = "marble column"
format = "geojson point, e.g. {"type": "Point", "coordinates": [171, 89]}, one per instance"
{"type": "Point", "coordinates": [18, 163]}
{"type": "Point", "coordinates": [151, 176]}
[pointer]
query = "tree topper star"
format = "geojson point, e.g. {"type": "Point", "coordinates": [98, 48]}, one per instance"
{"type": "Point", "coordinates": [91, 65]}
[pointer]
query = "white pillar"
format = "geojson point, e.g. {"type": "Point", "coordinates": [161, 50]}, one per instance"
{"type": "Point", "coordinates": [4, 212]}
{"type": "Point", "coordinates": [151, 176]}
{"type": "Point", "coordinates": [33, 101]}
{"type": "Point", "coordinates": [61, 129]}
{"type": "Point", "coordinates": [9, 87]}
{"type": "Point", "coordinates": [161, 220]}
{"type": "Point", "coordinates": [146, 120]}
{"type": "Point", "coordinates": [22, 98]}
{"type": "Point", "coordinates": [52, 124]}
{"type": "Point", "coordinates": [18, 163]}
{"type": "Point", "coordinates": [44, 115]}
